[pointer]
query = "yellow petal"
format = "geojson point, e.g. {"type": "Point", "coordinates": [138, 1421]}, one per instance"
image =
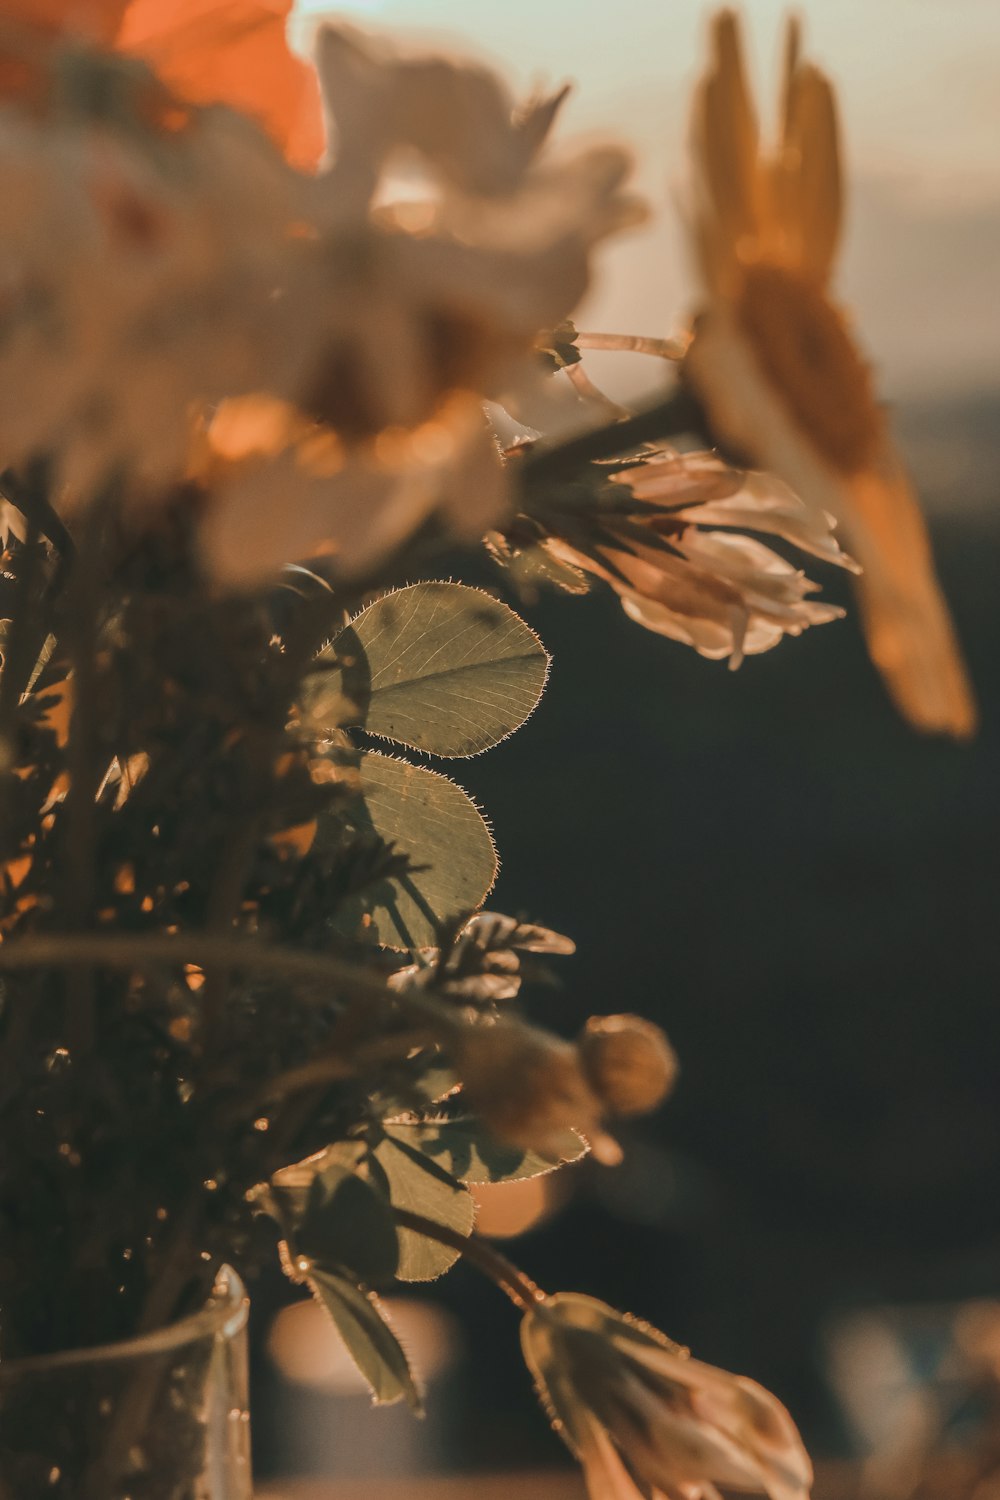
{"type": "Point", "coordinates": [909, 630]}
{"type": "Point", "coordinates": [811, 157]}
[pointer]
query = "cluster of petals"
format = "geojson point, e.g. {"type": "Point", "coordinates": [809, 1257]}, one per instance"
{"type": "Point", "coordinates": [699, 578]}
{"type": "Point", "coordinates": [645, 1420]}
{"type": "Point", "coordinates": [777, 371]}
{"type": "Point", "coordinates": [306, 349]}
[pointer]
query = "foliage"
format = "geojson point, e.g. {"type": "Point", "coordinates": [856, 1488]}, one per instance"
{"type": "Point", "coordinates": [250, 1002]}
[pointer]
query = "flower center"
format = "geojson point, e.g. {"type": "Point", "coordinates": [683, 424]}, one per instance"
{"type": "Point", "coordinates": [805, 352]}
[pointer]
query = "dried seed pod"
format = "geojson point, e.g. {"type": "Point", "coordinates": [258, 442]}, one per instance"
{"type": "Point", "coordinates": [628, 1062]}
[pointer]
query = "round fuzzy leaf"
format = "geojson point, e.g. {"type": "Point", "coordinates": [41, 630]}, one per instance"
{"type": "Point", "coordinates": [437, 666]}
{"type": "Point", "coordinates": [463, 1147]}
{"type": "Point", "coordinates": [432, 820]}
{"type": "Point", "coordinates": [371, 1343]}
{"type": "Point", "coordinates": [416, 1183]}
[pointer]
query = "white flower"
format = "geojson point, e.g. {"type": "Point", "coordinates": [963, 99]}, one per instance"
{"type": "Point", "coordinates": [777, 371]}
{"type": "Point", "coordinates": [725, 594]}
{"type": "Point", "coordinates": [646, 1420]}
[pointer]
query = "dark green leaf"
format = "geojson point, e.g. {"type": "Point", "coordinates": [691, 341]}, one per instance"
{"type": "Point", "coordinates": [348, 1223]}
{"type": "Point", "coordinates": [417, 1183]}
{"type": "Point", "coordinates": [375, 1349]}
{"type": "Point", "coordinates": [464, 1149]}
{"type": "Point", "coordinates": [437, 666]}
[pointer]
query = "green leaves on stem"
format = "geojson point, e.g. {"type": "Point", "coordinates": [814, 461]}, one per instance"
{"type": "Point", "coordinates": [340, 1214]}
{"type": "Point", "coordinates": [440, 668]}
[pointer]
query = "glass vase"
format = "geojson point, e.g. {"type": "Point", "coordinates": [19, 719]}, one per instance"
{"type": "Point", "coordinates": [161, 1417]}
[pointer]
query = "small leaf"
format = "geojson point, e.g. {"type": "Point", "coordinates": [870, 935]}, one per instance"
{"type": "Point", "coordinates": [429, 818]}
{"type": "Point", "coordinates": [415, 1182]}
{"type": "Point", "coordinates": [464, 1148]}
{"type": "Point", "coordinates": [437, 666]}
{"type": "Point", "coordinates": [371, 1343]}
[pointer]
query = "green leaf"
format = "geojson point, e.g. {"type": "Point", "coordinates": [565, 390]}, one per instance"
{"type": "Point", "coordinates": [371, 1343]}
{"type": "Point", "coordinates": [332, 1213]}
{"type": "Point", "coordinates": [464, 1148]}
{"type": "Point", "coordinates": [348, 1223]}
{"type": "Point", "coordinates": [437, 666]}
{"type": "Point", "coordinates": [432, 820]}
{"type": "Point", "coordinates": [415, 1182]}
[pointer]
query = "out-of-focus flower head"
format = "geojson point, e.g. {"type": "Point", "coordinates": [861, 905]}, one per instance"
{"type": "Point", "coordinates": [432, 288]}
{"type": "Point", "coordinates": [776, 368]}
{"type": "Point", "coordinates": [528, 1087]}
{"type": "Point", "coordinates": [140, 280]}
{"type": "Point", "coordinates": [227, 322]}
{"type": "Point", "coordinates": [645, 1420]}
{"type": "Point", "coordinates": [653, 533]}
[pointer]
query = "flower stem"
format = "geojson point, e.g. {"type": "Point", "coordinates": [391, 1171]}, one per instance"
{"type": "Point", "coordinates": [678, 413]}
{"type": "Point", "coordinates": [520, 1288]}
{"type": "Point", "coordinates": [634, 343]}
{"type": "Point", "coordinates": [115, 950]}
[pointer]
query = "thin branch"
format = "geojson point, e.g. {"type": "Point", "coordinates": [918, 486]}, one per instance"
{"type": "Point", "coordinates": [335, 1068]}
{"type": "Point", "coordinates": [678, 414]}
{"type": "Point", "coordinates": [84, 765]}
{"type": "Point", "coordinates": [579, 378]}
{"type": "Point", "coordinates": [113, 950]}
{"type": "Point", "coordinates": [635, 343]}
{"type": "Point", "coordinates": [519, 1287]}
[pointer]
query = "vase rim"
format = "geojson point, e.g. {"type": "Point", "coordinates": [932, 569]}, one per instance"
{"type": "Point", "coordinates": [224, 1314]}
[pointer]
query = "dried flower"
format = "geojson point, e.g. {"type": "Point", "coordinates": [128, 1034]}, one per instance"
{"type": "Point", "coordinates": [629, 1063]}
{"type": "Point", "coordinates": [776, 368]}
{"type": "Point", "coordinates": [725, 594]}
{"type": "Point", "coordinates": [642, 1417]}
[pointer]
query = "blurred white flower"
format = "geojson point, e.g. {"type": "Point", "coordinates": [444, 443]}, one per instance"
{"type": "Point", "coordinates": [645, 1420]}
{"type": "Point", "coordinates": [420, 309]}
{"type": "Point", "coordinates": [139, 276]}
{"type": "Point", "coordinates": [156, 279]}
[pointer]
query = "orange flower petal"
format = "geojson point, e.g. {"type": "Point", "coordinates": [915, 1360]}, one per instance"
{"type": "Point", "coordinates": [232, 52]}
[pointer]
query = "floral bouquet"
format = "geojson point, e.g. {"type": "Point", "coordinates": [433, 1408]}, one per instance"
{"type": "Point", "coordinates": [278, 340]}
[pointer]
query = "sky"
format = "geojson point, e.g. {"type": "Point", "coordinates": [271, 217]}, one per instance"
{"type": "Point", "coordinates": [919, 84]}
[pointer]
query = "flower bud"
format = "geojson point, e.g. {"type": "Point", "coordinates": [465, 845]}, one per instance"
{"type": "Point", "coordinates": [643, 1417]}
{"type": "Point", "coordinates": [526, 1086]}
{"type": "Point", "coordinates": [629, 1063]}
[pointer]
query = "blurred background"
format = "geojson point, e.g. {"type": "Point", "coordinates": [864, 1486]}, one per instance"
{"type": "Point", "coordinates": [803, 893]}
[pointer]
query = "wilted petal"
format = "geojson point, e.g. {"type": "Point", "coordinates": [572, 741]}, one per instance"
{"type": "Point", "coordinates": [763, 503]}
